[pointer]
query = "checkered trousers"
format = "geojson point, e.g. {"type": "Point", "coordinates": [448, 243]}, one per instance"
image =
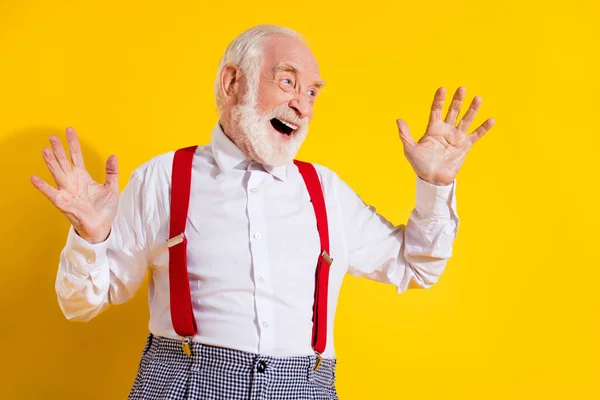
{"type": "Point", "coordinates": [214, 373]}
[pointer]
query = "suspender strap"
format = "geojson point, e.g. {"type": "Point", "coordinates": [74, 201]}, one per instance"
{"type": "Point", "coordinates": [313, 184]}
{"type": "Point", "coordinates": [182, 312]}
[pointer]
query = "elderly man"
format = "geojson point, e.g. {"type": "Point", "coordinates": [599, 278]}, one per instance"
{"type": "Point", "coordinates": [247, 247]}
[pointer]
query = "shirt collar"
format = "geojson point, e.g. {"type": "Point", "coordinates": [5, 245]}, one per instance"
{"type": "Point", "coordinates": [228, 155]}
{"type": "Point", "coordinates": [278, 172]}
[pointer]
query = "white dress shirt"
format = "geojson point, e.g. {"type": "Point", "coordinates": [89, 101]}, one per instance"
{"type": "Point", "coordinates": [252, 249]}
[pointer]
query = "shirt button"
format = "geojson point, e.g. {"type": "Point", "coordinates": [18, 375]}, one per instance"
{"type": "Point", "coordinates": [254, 190]}
{"type": "Point", "coordinates": [90, 259]}
{"type": "Point", "coordinates": [257, 235]}
{"type": "Point", "coordinates": [261, 279]}
{"type": "Point", "coordinates": [265, 324]}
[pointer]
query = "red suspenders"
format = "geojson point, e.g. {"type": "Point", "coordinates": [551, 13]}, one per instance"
{"type": "Point", "coordinates": [182, 312]}
{"type": "Point", "coordinates": [319, 334]}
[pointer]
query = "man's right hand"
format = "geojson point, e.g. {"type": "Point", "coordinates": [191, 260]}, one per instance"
{"type": "Point", "coordinates": [87, 204]}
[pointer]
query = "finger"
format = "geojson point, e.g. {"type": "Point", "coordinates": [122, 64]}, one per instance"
{"type": "Point", "coordinates": [46, 189]}
{"type": "Point", "coordinates": [437, 105]}
{"type": "Point", "coordinates": [470, 115]}
{"type": "Point", "coordinates": [55, 170]}
{"type": "Point", "coordinates": [112, 172]}
{"type": "Point", "coordinates": [454, 109]}
{"type": "Point", "coordinates": [75, 149]}
{"type": "Point", "coordinates": [404, 132]}
{"type": "Point", "coordinates": [482, 130]}
{"type": "Point", "coordinates": [59, 153]}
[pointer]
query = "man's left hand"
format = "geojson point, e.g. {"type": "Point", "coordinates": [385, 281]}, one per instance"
{"type": "Point", "coordinates": [439, 154]}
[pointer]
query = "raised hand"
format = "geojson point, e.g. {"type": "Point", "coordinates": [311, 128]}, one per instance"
{"type": "Point", "coordinates": [87, 204]}
{"type": "Point", "coordinates": [439, 154]}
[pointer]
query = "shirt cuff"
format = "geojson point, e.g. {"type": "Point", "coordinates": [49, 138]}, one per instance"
{"type": "Point", "coordinates": [433, 199]}
{"type": "Point", "coordinates": [86, 257]}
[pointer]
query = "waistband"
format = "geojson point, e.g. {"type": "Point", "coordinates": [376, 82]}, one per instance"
{"type": "Point", "coordinates": [170, 350]}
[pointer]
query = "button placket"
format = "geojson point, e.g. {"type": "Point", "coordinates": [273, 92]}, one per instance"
{"type": "Point", "coordinates": [260, 258]}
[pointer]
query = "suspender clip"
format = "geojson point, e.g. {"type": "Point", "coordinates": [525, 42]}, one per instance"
{"type": "Point", "coordinates": [185, 345]}
{"type": "Point", "coordinates": [319, 360]}
{"type": "Point", "coordinates": [175, 240]}
{"type": "Point", "coordinates": [327, 257]}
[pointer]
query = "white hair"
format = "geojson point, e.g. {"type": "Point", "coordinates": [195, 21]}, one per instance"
{"type": "Point", "coordinates": [245, 52]}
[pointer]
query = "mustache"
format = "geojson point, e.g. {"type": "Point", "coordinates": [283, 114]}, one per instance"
{"type": "Point", "coordinates": [284, 112]}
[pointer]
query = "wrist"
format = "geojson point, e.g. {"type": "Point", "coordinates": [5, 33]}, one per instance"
{"type": "Point", "coordinates": [436, 182]}
{"type": "Point", "coordinates": [94, 238]}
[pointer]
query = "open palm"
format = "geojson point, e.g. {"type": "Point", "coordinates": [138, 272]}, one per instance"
{"type": "Point", "coordinates": [440, 153]}
{"type": "Point", "coordinates": [89, 206]}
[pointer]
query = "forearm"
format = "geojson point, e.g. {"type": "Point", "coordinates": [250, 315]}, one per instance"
{"type": "Point", "coordinates": [427, 247]}
{"type": "Point", "coordinates": [412, 255]}
{"type": "Point", "coordinates": [83, 278]}
{"type": "Point", "coordinates": [429, 235]}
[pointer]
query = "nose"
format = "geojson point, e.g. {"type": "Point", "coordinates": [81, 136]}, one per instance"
{"type": "Point", "coordinates": [302, 104]}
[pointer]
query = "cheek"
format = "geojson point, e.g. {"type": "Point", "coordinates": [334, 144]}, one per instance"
{"type": "Point", "coordinates": [271, 97]}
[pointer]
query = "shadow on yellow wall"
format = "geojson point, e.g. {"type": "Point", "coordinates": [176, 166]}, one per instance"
{"type": "Point", "coordinates": [60, 358]}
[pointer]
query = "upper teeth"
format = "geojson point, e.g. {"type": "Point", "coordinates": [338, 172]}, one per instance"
{"type": "Point", "coordinates": [288, 124]}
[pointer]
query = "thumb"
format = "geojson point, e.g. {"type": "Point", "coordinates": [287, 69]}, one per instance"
{"type": "Point", "coordinates": [404, 132]}
{"type": "Point", "coordinates": [112, 172]}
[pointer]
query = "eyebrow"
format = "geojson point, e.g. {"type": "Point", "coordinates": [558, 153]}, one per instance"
{"type": "Point", "coordinates": [288, 66]}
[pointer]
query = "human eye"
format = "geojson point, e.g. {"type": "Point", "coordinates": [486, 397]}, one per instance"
{"type": "Point", "coordinates": [287, 81]}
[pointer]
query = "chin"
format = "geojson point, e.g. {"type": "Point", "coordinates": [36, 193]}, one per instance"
{"type": "Point", "coordinates": [276, 148]}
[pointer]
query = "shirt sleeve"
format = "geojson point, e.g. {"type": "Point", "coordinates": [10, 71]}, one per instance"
{"type": "Point", "coordinates": [407, 256]}
{"type": "Point", "coordinates": [91, 277]}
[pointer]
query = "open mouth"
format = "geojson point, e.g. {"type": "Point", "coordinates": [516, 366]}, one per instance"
{"type": "Point", "coordinates": [283, 127]}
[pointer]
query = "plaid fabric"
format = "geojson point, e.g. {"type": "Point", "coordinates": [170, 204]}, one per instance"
{"type": "Point", "coordinates": [214, 373]}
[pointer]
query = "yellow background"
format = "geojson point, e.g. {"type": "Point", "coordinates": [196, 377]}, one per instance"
{"type": "Point", "coordinates": [515, 315]}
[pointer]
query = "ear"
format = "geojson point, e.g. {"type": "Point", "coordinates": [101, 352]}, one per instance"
{"type": "Point", "coordinates": [230, 83]}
